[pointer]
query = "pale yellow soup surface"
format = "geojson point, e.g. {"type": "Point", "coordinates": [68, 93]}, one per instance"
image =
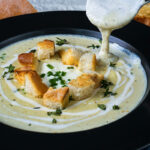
{"type": "Point", "coordinates": [17, 108]}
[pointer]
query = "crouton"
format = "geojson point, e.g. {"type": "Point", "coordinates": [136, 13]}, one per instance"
{"type": "Point", "coordinates": [34, 85]}
{"type": "Point", "coordinates": [56, 98]}
{"type": "Point", "coordinates": [70, 56]}
{"type": "Point", "coordinates": [28, 60]}
{"type": "Point", "coordinates": [45, 49]}
{"type": "Point", "coordinates": [87, 62]}
{"type": "Point", "coordinates": [20, 76]}
{"type": "Point", "coordinates": [84, 85]}
{"type": "Point", "coordinates": [143, 15]}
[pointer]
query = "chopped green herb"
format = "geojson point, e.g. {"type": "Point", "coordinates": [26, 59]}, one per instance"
{"type": "Point", "coordinates": [3, 56]}
{"type": "Point", "coordinates": [70, 67]}
{"type": "Point", "coordinates": [112, 64]}
{"type": "Point", "coordinates": [18, 89]}
{"type": "Point", "coordinates": [10, 68]}
{"type": "Point", "coordinates": [54, 120]}
{"type": "Point", "coordinates": [63, 82]}
{"type": "Point", "coordinates": [102, 106]}
{"type": "Point", "coordinates": [58, 112]}
{"type": "Point", "coordinates": [105, 84]}
{"type": "Point", "coordinates": [61, 42]}
{"type": "Point", "coordinates": [36, 107]}
{"type": "Point", "coordinates": [10, 78]}
{"type": "Point", "coordinates": [42, 75]}
{"type": "Point", "coordinates": [108, 93]}
{"type": "Point", "coordinates": [29, 124]}
{"type": "Point", "coordinates": [116, 107]}
{"type": "Point", "coordinates": [63, 73]}
{"type": "Point", "coordinates": [4, 75]}
{"type": "Point", "coordinates": [93, 46]}
{"type": "Point", "coordinates": [69, 79]}
{"type": "Point", "coordinates": [53, 82]}
{"type": "Point", "coordinates": [49, 73]}
{"type": "Point", "coordinates": [50, 66]}
{"type": "Point", "coordinates": [32, 51]}
{"type": "Point", "coordinates": [57, 73]}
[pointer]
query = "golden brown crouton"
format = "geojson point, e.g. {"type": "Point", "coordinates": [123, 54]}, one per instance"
{"type": "Point", "coordinates": [143, 15]}
{"type": "Point", "coordinates": [84, 86]}
{"type": "Point", "coordinates": [20, 76]}
{"type": "Point", "coordinates": [34, 84]}
{"type": "Point", "coordinates": [70, 56]}
{"type": "Point", "coordinates": [28, 60]}
{"type": "Point", "coordinates": [56, 98]}
{"type": "Point", "coordinates": [45, 49]}
{"type": "Point", "coordinates": [87, 62]}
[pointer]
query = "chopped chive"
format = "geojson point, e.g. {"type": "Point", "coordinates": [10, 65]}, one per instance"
{"type": "Point", "coordinates": [36, 107]}
{"type": "Point", "coordinates": [70, 67]}
{"type": "Point", "coordinates": [108, 93]}
{"type": "Point", "coordinates": [32, 51]}
{"type": "Point", "coordinates": [42, 75]}
{"type": "Point", "coordinates": [58, 112]}
{"type": "Point", "coordinates": [61, 42]}
{"type": "Point", "coordinates": [93, 46]}
{"type": "Point", "coordinates": [49, 73]}
{"type": "Point", "coordinates": [112, 64]}
{"type": "Point", "coordinates": [50, 66]}
{"type": "Point", "coordinates": [105, 84]}
{"type": "Point", "coordinates": [54, 121]}
{"type": "Point", "coordinates": [116, 107]}
{"type": "Point", "coordinates": [102, 106]}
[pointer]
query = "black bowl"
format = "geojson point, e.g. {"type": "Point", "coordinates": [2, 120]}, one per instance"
{"type": "Point", "coordinates": [129, 132]}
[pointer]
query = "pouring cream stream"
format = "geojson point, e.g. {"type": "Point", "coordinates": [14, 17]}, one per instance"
{"type": "Point", "coordinates": [108, 15]}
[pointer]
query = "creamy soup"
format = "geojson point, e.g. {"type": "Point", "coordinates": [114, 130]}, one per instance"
{"type": "Point", "coordinates": [126, 79]}
{"type": "Point", "coordinates": [108, 15]}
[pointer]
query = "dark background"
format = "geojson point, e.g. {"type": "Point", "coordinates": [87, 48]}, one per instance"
{"type": "Point", "coordinates": [129, 133]}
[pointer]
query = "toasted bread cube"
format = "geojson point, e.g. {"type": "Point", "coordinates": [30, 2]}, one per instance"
{"type": "Point", "coordinates": [56, 98]}
{"type": "Point", "coordinates": [34, 85]}
{"type": "Point", "coordinates": [84, 86]}
{"type": "Point", "coordinates": [28, 60]}
{"type": "Point", "coordinates": [20, 76]}
{"type": "Point", "coordinates": [97, 78]}
{"type": "Point", "coordinates": [87, 62]}
{"type": "Point", "coordinates": [70, 56]}
{"type": "Point", "coordinates": [45, 49]}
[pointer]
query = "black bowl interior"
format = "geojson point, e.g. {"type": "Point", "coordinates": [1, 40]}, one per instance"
{"type": "Point", "coordinates": [130, 127]}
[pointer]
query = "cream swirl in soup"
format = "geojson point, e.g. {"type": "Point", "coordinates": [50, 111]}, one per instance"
{"type": "Point", "coordinates": [126, 79]}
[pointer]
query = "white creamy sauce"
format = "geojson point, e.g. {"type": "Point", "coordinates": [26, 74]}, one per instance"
{"type": "Point", "coordinates": [108, 15]}
{"type": "Point", "coordinates": [79, 115]}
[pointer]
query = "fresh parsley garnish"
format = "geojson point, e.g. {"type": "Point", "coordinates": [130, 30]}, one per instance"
{"type": "Point", "coordinates": [69, 80]}
{"type": "Point", "coordinates": [105, 84]}
{"type": "Point", "coordinates": [93, 46]}
{"type": "Point", "coordinates": [58, 112]}
{"type": "Point", "coordinates": [116, 107]}
{"type": "Point", "coordinates": [102, 106]}
{"type": "Point", "coordinates": [70, 67]}
{"type": "Point", "coordinates": [112, 64]}
{"type": "Point", "coordinates": [54, 121]}
{"type": "Point", "coordinates": [61, 42]}
{"type": "Point", "coordinates": [50, 66]}
{"type": "Point", "coordinates": [42, 75]}
{"type": "Point", "coordinates": [108, 93]}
